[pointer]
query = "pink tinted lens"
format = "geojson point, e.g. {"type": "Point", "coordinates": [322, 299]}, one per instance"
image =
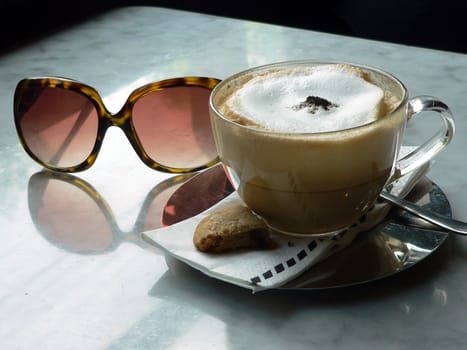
{"type": "Point", "coordinates": [174, 128]}
{"type": "Point", "coordinates": [59, 126]}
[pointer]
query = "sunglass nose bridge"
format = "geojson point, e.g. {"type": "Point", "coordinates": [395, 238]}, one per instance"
{"type": "Point", "coordinates": [120, 119]}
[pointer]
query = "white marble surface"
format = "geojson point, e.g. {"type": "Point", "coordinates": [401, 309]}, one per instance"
{"type": "Point", "coordinates": [126, 297]}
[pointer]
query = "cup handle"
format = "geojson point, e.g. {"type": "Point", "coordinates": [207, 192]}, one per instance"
{"type": "Point", "coordinates": [428, 150]}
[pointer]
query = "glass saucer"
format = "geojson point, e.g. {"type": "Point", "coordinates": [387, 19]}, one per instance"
{"type": "Point", "coordinates": [399, 242]}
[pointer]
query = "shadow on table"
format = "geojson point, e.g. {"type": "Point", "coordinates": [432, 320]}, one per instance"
{"type": "Point", "coordinates": [413, 296]}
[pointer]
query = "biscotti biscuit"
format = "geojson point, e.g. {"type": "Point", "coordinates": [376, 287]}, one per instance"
{"type": "Point", "coordinates": [231, 228]}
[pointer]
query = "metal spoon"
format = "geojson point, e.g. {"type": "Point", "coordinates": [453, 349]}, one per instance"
{"type": "Point", "coordinates": [432, 217]}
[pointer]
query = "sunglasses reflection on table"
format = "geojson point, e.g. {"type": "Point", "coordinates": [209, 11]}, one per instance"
{"type": "Point", "coordinates": [72, 215]}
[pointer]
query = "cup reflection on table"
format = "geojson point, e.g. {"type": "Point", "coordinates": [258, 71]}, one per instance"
{"type": "Point", "coordinates": [72, 215]}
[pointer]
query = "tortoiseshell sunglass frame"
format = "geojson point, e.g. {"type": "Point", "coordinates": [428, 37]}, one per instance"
{"type": "Point", "coordinates": [121, 119]}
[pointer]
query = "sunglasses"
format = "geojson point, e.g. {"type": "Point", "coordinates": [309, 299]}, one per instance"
{"type": "Point", "coordinates": [61, 123]}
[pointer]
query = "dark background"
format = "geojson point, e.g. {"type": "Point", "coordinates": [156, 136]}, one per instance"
{"type": "Point", "coordinates": [431, 24]}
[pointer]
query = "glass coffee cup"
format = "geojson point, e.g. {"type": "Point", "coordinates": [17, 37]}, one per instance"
{"type": "Point", "coordinates": [308, 182]}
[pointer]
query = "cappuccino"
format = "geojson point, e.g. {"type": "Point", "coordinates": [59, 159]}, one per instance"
{"type": "Point", "coordinates": [309, 145]}
{"type": "Point", "coordinates": [306, 99]}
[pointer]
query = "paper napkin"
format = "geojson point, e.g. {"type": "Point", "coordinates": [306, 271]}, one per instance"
{"type": "Point", "coordinates": [263, 269]}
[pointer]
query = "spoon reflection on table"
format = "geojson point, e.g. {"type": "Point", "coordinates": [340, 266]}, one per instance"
{"type": "Point", "coordinates": [432, 217]}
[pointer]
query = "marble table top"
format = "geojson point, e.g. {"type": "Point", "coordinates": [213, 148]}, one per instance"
{"type": "Point", "coordinates": [125, 294]}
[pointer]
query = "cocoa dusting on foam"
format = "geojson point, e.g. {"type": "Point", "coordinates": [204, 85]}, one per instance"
{"type": "Point", "coordinates": [313, 103]}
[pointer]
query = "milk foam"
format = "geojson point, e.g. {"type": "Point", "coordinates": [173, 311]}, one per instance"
{"type": "Point", "coordinates": [277, 100]}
